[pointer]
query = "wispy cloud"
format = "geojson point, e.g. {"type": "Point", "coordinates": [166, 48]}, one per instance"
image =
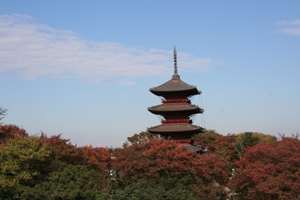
{"type": "Point", "coordinates": [30, 50]}
{"type": "Point", "coordinates": [289, 27]}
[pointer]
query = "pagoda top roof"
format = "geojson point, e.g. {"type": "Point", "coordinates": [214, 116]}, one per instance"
{"type": "Point", "coordinates": [174, 128]}
{"type": "Point", "coordinates": [175, 84]}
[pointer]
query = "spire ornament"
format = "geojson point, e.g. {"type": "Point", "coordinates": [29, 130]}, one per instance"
{"type": "Point", "coordinates": [175, 63]}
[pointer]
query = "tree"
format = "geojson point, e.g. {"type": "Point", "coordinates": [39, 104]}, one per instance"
{"type": "Point", "coordinates": [9, 131]}
{"type": "Point", "coordinates": [261, 137]}
{"type": "Point", "coordinates": [23, 164]}
{"type": "Point", "coordinates": [96, 158]}
{"type": "Point", "coordinates": [140, 138]}
{"type": "Point", "coordinates": [2, 114]}
{"type": "Point", "coordinates": [51, 168]}
{"type": "Point", "coordinates": [67, 181]}
{"type": "Point", "coordinates": [206, 138]}
{"type": "Point", "coordinates": [270, 171]}
{"type": "Point", "coordinates": [62, 149]}
{"type": "Point", "coordinates": [160, 158]}
{"type": "Point", "coordinates": [176, 188]}
{"type": "Point", "coordinates": [152, 159]}
{"type": "Point", "coordinates": [249, 139]}
{"type": "Point", "coordinates": [221, 145]}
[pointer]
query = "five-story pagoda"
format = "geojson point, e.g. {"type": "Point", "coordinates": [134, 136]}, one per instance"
{"type": "Point", "coordinates": [176, 109]}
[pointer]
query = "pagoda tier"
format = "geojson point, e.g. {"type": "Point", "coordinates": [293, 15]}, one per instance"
{"type": "Point", "coordinates": [175, 128]}
{"type": "Point", "coordinates": [175, 88]}
{"type": "Point", "coordinates": [176, 109]}
{"type": "Point", "coordinates": [185, 109]}
{"type": "Point", "coordinates": [179, 132]}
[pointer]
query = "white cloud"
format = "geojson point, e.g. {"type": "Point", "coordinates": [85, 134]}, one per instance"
{"type": "Point", "coordinates": [30, 50]}
{"type": "Point", "coordinates": [289, 27]}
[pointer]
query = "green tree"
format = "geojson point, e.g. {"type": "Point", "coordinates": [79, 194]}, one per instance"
{"type": "Point", "coordinates": [140, 138]}
{"type": "Point", "coordinates": [249, 139]}
{"type": "Point", "coordinates": [175, 188]}
{"type": "Point", "coordinates": [67, 181]}
{"type": "Point", "coordinates": [243, 141]}
{"type": "Point", "coordinates": [204, 139]}
{"type": "Point", "coordinates": [24, 162]}
{"type": "Point", "coordinates": [256, 135]}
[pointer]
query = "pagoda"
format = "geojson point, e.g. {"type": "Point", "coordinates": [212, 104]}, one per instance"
{"type": "Point", "coordinates": [176, 109]}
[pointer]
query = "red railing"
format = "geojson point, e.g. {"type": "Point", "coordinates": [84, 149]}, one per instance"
{"type": "Point", "coordinates": [165, 121]}
{"type": "Point", "coordinates": [175, 100]}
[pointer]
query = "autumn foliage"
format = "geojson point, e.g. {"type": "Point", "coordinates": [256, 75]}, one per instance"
{"type": "Point", "coordinates": [243, 166]}
{"type": "Point", "coordinates": [270, 171]}
{"type": "Point", "coordinates": [160, 159]}
{"type": "Point", "coordinates": [10, 131]}
{"type": "Point", "coordinates": [164, 158]}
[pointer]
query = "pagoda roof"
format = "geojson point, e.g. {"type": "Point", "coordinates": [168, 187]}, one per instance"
{"type": "Point", "coordinates": [175, 85]}
{"type": "Point", "coordinates": [175, 128]}
{"type": "Point", "coordinates": [175, 107]}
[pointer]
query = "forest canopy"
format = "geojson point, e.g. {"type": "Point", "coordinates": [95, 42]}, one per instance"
{"type": "Point", "coordinates": [247, 165]}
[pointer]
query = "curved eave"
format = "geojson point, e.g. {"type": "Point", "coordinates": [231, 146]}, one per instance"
{"type": "Point", "coordinates": [169, 108]}
{"type": "Point", "coordinates": [174, 128]}
{"type": "Point", "coordinates": [190, 92]}
{"type": "Point", "coordinates": [175, 85]}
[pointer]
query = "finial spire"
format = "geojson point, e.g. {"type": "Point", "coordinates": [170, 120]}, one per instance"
{"type": "Point", "coordinates": [175, 63]}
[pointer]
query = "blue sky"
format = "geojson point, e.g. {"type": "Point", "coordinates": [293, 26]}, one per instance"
{"type": "Point", "coordinates": [84, 68]}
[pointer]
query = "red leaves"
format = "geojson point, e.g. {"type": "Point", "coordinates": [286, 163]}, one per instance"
{"type": "Point", "coordinates": [211, 167]}
{"type": "Point", "coordinates": [168, 156]}
{"type": "Point", "coordinates": [9, 131]}
{"type": "Point", "coordinates": [97, 158]}
{"type": "Point", "coordinates": [221, 145]}
{"type": "Point", "coordinates": [62, 149]}
{"type": "Point", "coordinates": [160, 158]}
{"type": "Point", "coordinates": [262, 171]}
{"type": "Point", "coordinates": [270, 171]}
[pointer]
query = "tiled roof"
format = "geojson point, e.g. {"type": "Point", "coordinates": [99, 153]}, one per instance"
{"type": "Point", "coordinates": [175, 85]}
{"type": "Point", "coordinates": [175, 107]}
{"type": "Point", "coordinates": [174, 128]}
